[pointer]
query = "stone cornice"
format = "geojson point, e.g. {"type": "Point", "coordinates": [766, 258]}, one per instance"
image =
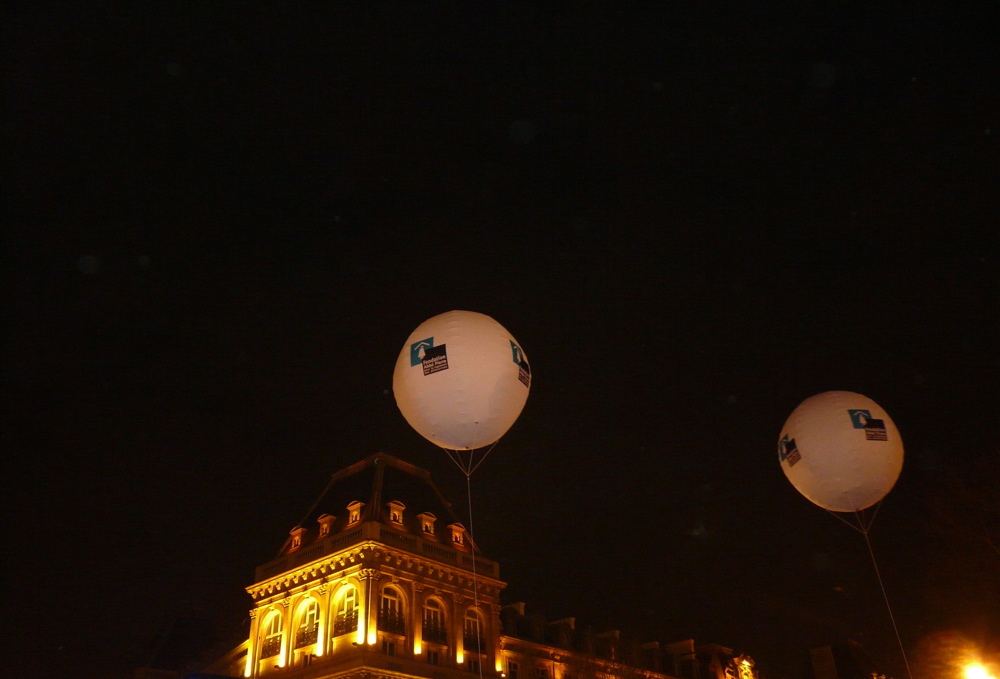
{"type": "Point", "coordinates": [381, 559]}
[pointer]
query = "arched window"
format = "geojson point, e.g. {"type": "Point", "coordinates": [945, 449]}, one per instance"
{"type": "Point", "coordinates": [308, 624]}
{"type": "Point", "coordinates": [272, 636]}
{"type": "Point", "coordinates": [434, 629]}
{"type": "Point", "coordinates": [390, 612]}
{"type": "Point", "coordinates": [345, 619]}
{"type": "Point", "coordinates": [473, 640]}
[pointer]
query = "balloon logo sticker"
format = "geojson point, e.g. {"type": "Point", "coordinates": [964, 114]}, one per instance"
{"type": "Point", "coordinates": [874, 429]}
{"type": "Point", "coordinates": [434, 359]}
{"type": "Point", "coordinates": [523, 369]}
{"type": "Point", "coordinates": [788, 451]}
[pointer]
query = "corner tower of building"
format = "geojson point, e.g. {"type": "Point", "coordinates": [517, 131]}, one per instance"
{"type": "Point", "coordinates": [379, 577]}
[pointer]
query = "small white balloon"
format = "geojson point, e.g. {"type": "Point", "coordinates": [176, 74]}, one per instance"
{"type": "Point", "coordinates": [841, 451]}
{"type": "Point", "coordinates": [461, 380]}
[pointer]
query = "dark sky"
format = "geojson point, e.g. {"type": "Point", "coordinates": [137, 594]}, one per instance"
{"type": "Point", "coordinates": [224, 220]}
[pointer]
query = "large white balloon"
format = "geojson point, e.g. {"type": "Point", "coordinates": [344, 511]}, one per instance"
{"type": "Point", "coordinates": [841, 451]}
{"type": "Point", "coordinates": [461, 380]}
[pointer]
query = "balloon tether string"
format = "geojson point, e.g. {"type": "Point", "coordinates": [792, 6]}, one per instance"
{"type": "Point", "coordinates": [864, 527]}
{"type": "Point", "coordinates": [475, 580]}
{"type": "Point", "coordinates": [468, 470]}
{"type": "Point", "coordinates": [888, 607]}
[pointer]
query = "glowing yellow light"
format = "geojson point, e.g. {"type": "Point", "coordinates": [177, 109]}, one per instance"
{"type": "Point", "coordinates": [372, 637]}
{"type": "Point", "coordinates": [417, 648]}
{"type": "Point", "coordinates": [460, 659]}
{"type": "Point", "coordinates": [977, 671]}
{"type": "Point", "coordinates": [360, 639]}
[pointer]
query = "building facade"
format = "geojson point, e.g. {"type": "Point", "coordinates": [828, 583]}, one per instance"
{"type": "Point", "coordinates": [381, 581]}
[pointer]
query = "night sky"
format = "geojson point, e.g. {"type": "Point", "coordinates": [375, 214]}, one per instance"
{"type": "Point", "coordinates": [223, 221]}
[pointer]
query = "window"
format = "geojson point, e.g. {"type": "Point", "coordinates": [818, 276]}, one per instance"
{"type": "Point", "coordinates": [511, 669]}
{"type": "Point", "coordinates": [308, 626]}
{"type": "Point", "coordinates": [325, 522]}
{"type": "Point", "coordinates": [434, 630]}
{"type": "Point", "coordinates": [396, 511]}
{"type": "Point", "coordinates": [433, 657]}
{"type": "Point", "coordinates": [354, 511]}
{"type": "Point", "coordinates": [427, 523]}
{"type": "Point", "coordinates": [472, 664]}
{"type": "Point", "coordinates": [296, 536]}
{"type": "Point", "coordinates": [272, 637]}
{"type": "Point", "coordinates": [541, 673]}
{"type": "Point", "coordinates": [389, 647]}
{"type": "Point", "coordinates": [346, 616]}
{"type": "Point", "coordinates": [390, 613]}
{"type": "Point", "coordinates": [472, 638]}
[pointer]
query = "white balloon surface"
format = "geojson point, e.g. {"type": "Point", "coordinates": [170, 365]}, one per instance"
{"type": "Point", "coordinates": [841, 451]}
{"type": "Point", "coordinates": [461, 380]}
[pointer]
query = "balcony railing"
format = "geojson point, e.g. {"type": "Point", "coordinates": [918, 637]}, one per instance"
{"type": "Point", "coordinates": [345, 623]}
{"type": "Point", "coordinates": [474, 643]}
{"type": "Point", "coordinates": [307, 635]}
{"type": "Point", "coordinates": [270, 647]}
{"type": "Point", "coordinates": [435, 632]}
{"type": "Point", "coordinates": [392, 622]}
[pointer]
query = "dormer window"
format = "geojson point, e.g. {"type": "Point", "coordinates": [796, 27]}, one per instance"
{"type": "Point", "coordinates": [457, 534]}
{"type": "Point", "coordinates": [427, 523]}
{"type": "Point", "coordinates": [354, 511]}
{"type": "Point", "coordinates": [296, 534]}
{"type": "Point", "coordinates": [396, 512]}
{"type": "Point", "coordinates": [325, 522]}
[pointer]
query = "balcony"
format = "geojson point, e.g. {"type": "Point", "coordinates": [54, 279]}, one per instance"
{"type": "Point", "coordinates": [271, 647]}
{"type": "Point", "coordinates": [435, 633]}
{"type": "Point", "coordinates": [473, 643]}
{"type": "Point", "coordinates": [345, 623]}
{"type": "Point", "coordinates": [307, 635]}
{"type": "Point", "coordinates": [392, 622]}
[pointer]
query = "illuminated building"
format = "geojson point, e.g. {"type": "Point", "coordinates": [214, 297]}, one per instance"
{"type": "Point", "coordinates": [381, 581]}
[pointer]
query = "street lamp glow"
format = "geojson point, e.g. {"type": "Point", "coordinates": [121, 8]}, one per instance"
{"type": "Point", "coordinates": [977, 671]}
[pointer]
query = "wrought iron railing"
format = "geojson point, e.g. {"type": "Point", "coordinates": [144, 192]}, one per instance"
{"type": "Point", "coordinates": [270, 647]}
{"type": "Point", "coordinates": [391, 621]}
{"type": "Point", "coordinates": [435, 632]}
{"type": "Point", "coordinates": [307, 635]}
{"type": "Point", "coordinates": [345, 623]}
{"type": "Point", "coordinates": [474, 643]}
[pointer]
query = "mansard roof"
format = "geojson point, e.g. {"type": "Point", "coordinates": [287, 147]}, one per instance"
{"type": "Point", "coordinates": [375, 482]}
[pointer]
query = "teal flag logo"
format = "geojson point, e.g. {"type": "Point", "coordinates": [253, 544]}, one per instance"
{"type": "Point", "coordinates": [418, 349]}
{"type": "Point", "coordinates": [859, 418]}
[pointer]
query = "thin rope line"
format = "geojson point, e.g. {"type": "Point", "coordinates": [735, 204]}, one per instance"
{"type": "Point", "coordinates": [888, 607]}
{"type": "Point", "coordinates": [843, 520]}
{"type": "Point", "coordinates": [483, 458]}
{"type": "Point", "coordinates": [475, 579]}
